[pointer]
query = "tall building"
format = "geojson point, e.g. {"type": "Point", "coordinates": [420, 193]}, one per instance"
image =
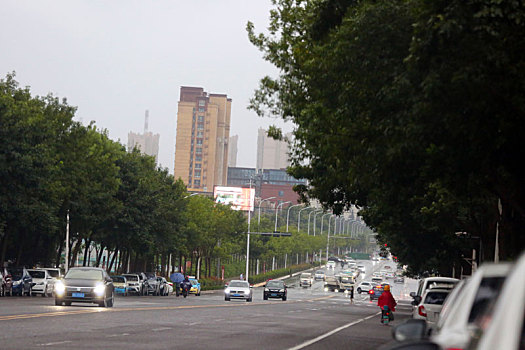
{"type": "Point", "coordinates": [232, 151]}
{"type": "Point", "coordinates": [147, 143]}
{"type": "Point", "coordinates": [203, 131]}
{"type": "Point", "coordinates": [271, 154]}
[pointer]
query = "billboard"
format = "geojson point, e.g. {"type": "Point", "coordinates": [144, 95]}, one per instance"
{"type": "Point", "coordinates": [240, 198]}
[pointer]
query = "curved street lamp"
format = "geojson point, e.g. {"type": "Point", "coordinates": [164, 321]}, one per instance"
{"type": "Point", "coordinates": [299, 218]}
{"type": "Point", "coordinates": [322, 218]}
{"type": "Point", "coordinates": [260, 204]}
{"type": "Point", "coordinates": [277, 210]}
{"type": "Point", "coordinates": [288, 215]}
{"type": "Point", "coordinates": [315, 215]}
{"type": "Point", "coordinates": [309, 215]}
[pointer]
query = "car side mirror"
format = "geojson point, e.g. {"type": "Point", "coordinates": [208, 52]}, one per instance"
{"type": "Point", "coordinates": [412, 294]}
{"type": "Point", "coordinates": [411, 330]}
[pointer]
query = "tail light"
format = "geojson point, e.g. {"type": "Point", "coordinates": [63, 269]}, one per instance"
{"type": "Point", "coordinates": [371, 291]}
{"type": "Point", "coordinates": [421, 310]}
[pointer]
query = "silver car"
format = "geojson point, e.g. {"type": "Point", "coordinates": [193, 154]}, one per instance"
{"type": "Point", "coordinates": [238, 289]}
{"type": "Point", "coordinates": [43, 283]}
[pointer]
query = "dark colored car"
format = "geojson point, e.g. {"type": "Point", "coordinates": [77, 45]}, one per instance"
{"type": "Point", "coordinates": [22, 281]}
{"type": "Point", "coordinates": [85, 285]}
{"type": "Point", "coordinates": [275, 289]}
{"type": "Point", "coordinates": [376, 292]}
{"type": "Point", "coordinates": [151, 285]}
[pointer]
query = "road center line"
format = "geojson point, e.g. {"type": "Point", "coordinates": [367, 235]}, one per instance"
{"type": "Point", "coordinates": [333, 331]}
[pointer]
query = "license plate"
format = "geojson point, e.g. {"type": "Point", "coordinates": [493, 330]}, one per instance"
{"type": "Point", "coordinates": [77, 295]}
{"type": "Point", "coordinates": [274, 294]}
{"type": "Point", "coordinates": [236, 295]}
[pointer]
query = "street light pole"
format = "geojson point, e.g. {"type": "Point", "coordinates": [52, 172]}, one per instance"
{"type": "Point", "coordinates": [299, 218]}
{"type": "Point", "coordinates": [248, 238]}
{"type": "Point", "coordinates": [309, 215]}
{"type": "Point", "coordinates": [288, 215]}
{"type": "Point", "coordinates": [276, 211]}
{"type": "Point", "coordinates": [322, 218]}
{"type": "Point", "coordinates": [315, 215]}
{"type": "Point", "coordinates": [259, 218]}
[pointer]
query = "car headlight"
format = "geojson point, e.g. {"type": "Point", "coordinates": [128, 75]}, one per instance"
{"type": "Point", "coordinates": [281, 290]}
{"type": "Point", "coordinates": [266, 290]}
{"type": "Point", "coordinates": [247, 292]}
{"type": "Point", "coordinates": [16, 283]}
{"type": "Point", "coordinates": [227, 291]}
{"type": "Point", "coordinates": [99, 290]}
{"type": "Point", "coordinates": [60, 288]}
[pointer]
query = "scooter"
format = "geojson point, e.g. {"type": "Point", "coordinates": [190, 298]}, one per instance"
{"type": "Point", "coordinates": [386, 315]}
{"type": "Point", "coordinates": [185, 289]}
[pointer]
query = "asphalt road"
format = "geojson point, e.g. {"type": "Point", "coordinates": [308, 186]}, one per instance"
{"type": "Point", "coordinates": [310, 319]}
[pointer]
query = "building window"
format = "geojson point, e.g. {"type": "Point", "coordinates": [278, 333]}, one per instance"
{"type": "Point", "coordinates": [198, 150]}
{"type": "Point", "coordinates": [281, 193]}
{"type": "Point", "coordinates": [197, 183]}
{"type": "Point", "coordinates": [200, 134]}
{"type": "Point", "coordinates": [197, 165]}
{"type": "Point", "coordinates": [199, 141]}
{"type": "Point", "coordinates": [201, 118]}
{"type": "Point", "coordinates": [197, 174]}
{"type": "Point", "coordinates": [202, 103]}
{"type": "Point", "coordinates": [201, 109]}
{"type": "Point", "coordinates": [200, 127]}
{"type": "Point", "coordinates": [198, 158]}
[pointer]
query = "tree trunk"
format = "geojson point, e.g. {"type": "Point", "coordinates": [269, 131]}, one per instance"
{"type": "Point", "coordinates": [99, 255]}
{"type": "Point", "coordinates": [86, 251]}
{"type": "Point", "coordinates": [112, 259]}
{"type": "Point", "coordinates": [4, 248]}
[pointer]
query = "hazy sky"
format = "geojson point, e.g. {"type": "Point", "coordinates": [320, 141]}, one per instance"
{"type": "Point", "coordinates": [114, 59]}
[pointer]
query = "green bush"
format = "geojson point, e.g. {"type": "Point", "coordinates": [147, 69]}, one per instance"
{"type": "Point", "coordinates": [211, 283]}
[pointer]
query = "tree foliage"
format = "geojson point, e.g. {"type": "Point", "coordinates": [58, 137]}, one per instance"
{"type": "Point", "coordinates": [412, 110]}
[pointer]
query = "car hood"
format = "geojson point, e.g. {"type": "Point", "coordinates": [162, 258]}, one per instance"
{"type": "Point", "coordinates": [81, 282]}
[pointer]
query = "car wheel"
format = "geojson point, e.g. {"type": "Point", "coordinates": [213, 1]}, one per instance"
{"type": "Point", "coordinates": [58, 302]}
{"type": "Point", "coordinates": [284, 298]}
{"type": "Point", "coordinates": [226, 299]}
{"type": "Point", "coordinates": [359, 290]}
{"type": "Point", "coordinates": [111, 301]}
{"type": "Point", "coordinates": [265, 297]}
{"type": "Point", "coordinates": [198, 294]}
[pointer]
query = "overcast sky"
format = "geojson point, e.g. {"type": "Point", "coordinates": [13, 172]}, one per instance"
{"type": "Point", "coordinates": [114, 59]}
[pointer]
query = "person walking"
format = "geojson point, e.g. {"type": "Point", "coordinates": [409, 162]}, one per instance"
{"type": "Point", "coordinates": [351, 294]}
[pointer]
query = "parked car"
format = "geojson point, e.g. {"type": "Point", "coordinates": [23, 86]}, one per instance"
{"type": "Point", "coordinates": [431, 282]}
{"type": "Point", "coordinates": [430, 306]}
{"type": "Point", "coordinates": [238, 289]}
{"type": "Point", "coordinates": [163, 285]}
{"type": "Point", "coordinates": [120, 284]}
{"type": "Point", "coordinates": [43, 283]}
{"type": "Point", "coordinates": [306, 279]}
{"type": "Point", "coordinates": [7, 283]}
{"type": "Point", "coordinates": [134, 283]}
{"type": "Point", "coordinates": [503, 324]}
{"type": "Point", "coordinates": [275, 289]}
{"type": "Point", "coordinates": [195, 286]}
{"type": "Point", "coordinates": [22, 281]}
{"type": "Point", "coordinates": [364, 286]}
{"type": "Point", "coordinates": [85, 285]}
{"type": "Point", "coordinates": [319, 275]}
{"type": "Point", "coordinates": [151, 286]}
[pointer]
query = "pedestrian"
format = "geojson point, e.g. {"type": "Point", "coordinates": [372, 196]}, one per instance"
{"type": "Point", "coordinates": [242, 277]}
{"type": "Point", "coordinates": [351, 294]}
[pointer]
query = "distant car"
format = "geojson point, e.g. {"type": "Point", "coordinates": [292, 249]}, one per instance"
{"type": "Point", "coordinates": [376, 292]}
{"type": "Point", "coordinates": [332, 284]}
{"type": "Point", "coordinates": [164, 286]}
{"type": "Point", "coordinates": [22, 281]}
{"type": "Point", "coordinates": [195, 286]}
{"type": "Point", "coordinates": [134, 283]}
{"type": "Point", "coordinates": [275, 289]}
{"type": "Point", "coordinates": [238, 289]}
{"type": "Point", "coordinates": [306, 279]}
{"type": "Point", "coordinates": [319, 275]}
{"type": "Point", "coordinates": [430, 306]}
{"type": "Point", "coordinates": [330, 265]}
{"type": "Point", "coordinates": [346, 282]}
{"type": "Point", "coordinates": [85, 285]}
{"type": "Point", "coordinates": [121, 285]}
{"type": "Point", "coordinates": [361, 268]}
{"type": "Point", "coordinates": [389, 274]}
{"type": "Point", "coordinates": [399, 279]}
{"type": "Point", "coordinates": [43, 283]}
{"type": "Point", "coordinates": [377, 279]}
{"type": "Point", "coordinates": [151, 285]}
{"type": "Point", "coordinates": [364, 286]}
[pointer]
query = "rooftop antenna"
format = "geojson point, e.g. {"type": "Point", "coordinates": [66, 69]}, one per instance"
{"type": "Point", "coordinates": [146, 121]}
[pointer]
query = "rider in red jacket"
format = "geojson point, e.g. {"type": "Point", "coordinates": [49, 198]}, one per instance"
{"type": "Point", "coordinates": [386, 298]}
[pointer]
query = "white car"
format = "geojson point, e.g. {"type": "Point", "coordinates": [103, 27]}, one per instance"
{"type": "Point", "coordinates": [427, 283]}
{"type": "Point", "coordinates": [377, 280]}
{"type": "Point", "coordinates": [330, 265]}
{"type": "Point", "coordinates": [238, 289]}
{"type": "Point", "coordinates": [361, 268]}
{"type": "Point", "coordinates": [505, 328]}
{"type": "Point", "coordinates": [43, 283]}
{"type": "Point", "coordinates": [306, 279]}
{"type": "Point", "coordinates": [364, 286]}
{"type": "Point", "coordinates": [319, 275]}
{"type": "Point", "coordinates": [430, 306]}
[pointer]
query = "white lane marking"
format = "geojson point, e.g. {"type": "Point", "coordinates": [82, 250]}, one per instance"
{"type": "Point", "coordinates": [56, 343]}
{"type": "Point", "coordinates": [193, 323]}
{"type": "Point", "coordinates": [161, 329]}
{"type": "Point", "coordinates": [219, 319]}
{"type": "Point", "coordinates": [322, 336]}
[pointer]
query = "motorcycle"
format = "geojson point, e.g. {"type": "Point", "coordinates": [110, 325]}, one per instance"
{"type": "Point", "coordinates": [386, 315]}
{"type": "Point", "coordinates": [185, 287]}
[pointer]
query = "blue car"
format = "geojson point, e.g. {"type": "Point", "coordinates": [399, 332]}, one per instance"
{"type": "Point", "coordinates": [22, 281]}
{"type": "Point", "coordinates": [195, 286]}
{"type": "Point", "coordinates": [376, 292]}
{"type": "Point", "coordinates": [120, 284]}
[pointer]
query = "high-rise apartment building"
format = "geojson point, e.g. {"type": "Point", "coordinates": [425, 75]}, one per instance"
{"type": "Point", "coordinates": [203, 131]}
{"type": "Point", "coordinates": [271, 154]}
{"type": "Point", "coordinates": [232, 151]}
{"type": "Point", "coordinates": [147, 143]}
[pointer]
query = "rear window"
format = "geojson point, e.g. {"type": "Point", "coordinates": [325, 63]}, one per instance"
{"type": "Point", "coordinates": [306, 275]}
{"type": "Point", "coordinates": [489, 289]}
{"type": "Point", "coordinates": [132, 278]}
{"type": "Point", "coordinates": [275, 284]}
{"type": "Point", "coordinates": [320, 272]}
{"type": "Point", "coordinates": [53, 273]}
{"type": "Point", "coordinates": [239, 284]}
{"type": "Point", "coordinates": [118, 279]}
{"type": "Point", "coordinates": [37, 274]}
{"type": "Point", "coordinates": [435, 298]}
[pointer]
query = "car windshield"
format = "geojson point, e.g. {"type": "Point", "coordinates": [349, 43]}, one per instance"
{"type": "Point", "coordinates": [37, 274]}
{"type": "Point", "coordinates": [346, 279]}
{"type": "Point", "coordinates": [320, 272]}
{"type": "Point", "coordinates": [132, 278]}
{"type": "Point", "coordinates": [275, 284]}
{"type": "Point", "coordinates": [239, 284]}
{"type": "Point", "coordinates": [306, 275]}
{"type": "Point", "coordinates": [489, 289]}
{"type": "Point", "coordinates": [16, 274]}
{"type": "Point", "coordinates": [119, 279]}
{"type": "Point", "coordinates": [53, 273]}
{"type": "Point", "coordinates": [435, 298]}
{"type": "Point", "coordinates": [85, 274]}
{"type": "Point", "coordinates": [194, 282]}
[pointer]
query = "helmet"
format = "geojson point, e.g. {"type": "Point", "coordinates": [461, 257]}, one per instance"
{"type": "Point", "coordinates": [387, 288]}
